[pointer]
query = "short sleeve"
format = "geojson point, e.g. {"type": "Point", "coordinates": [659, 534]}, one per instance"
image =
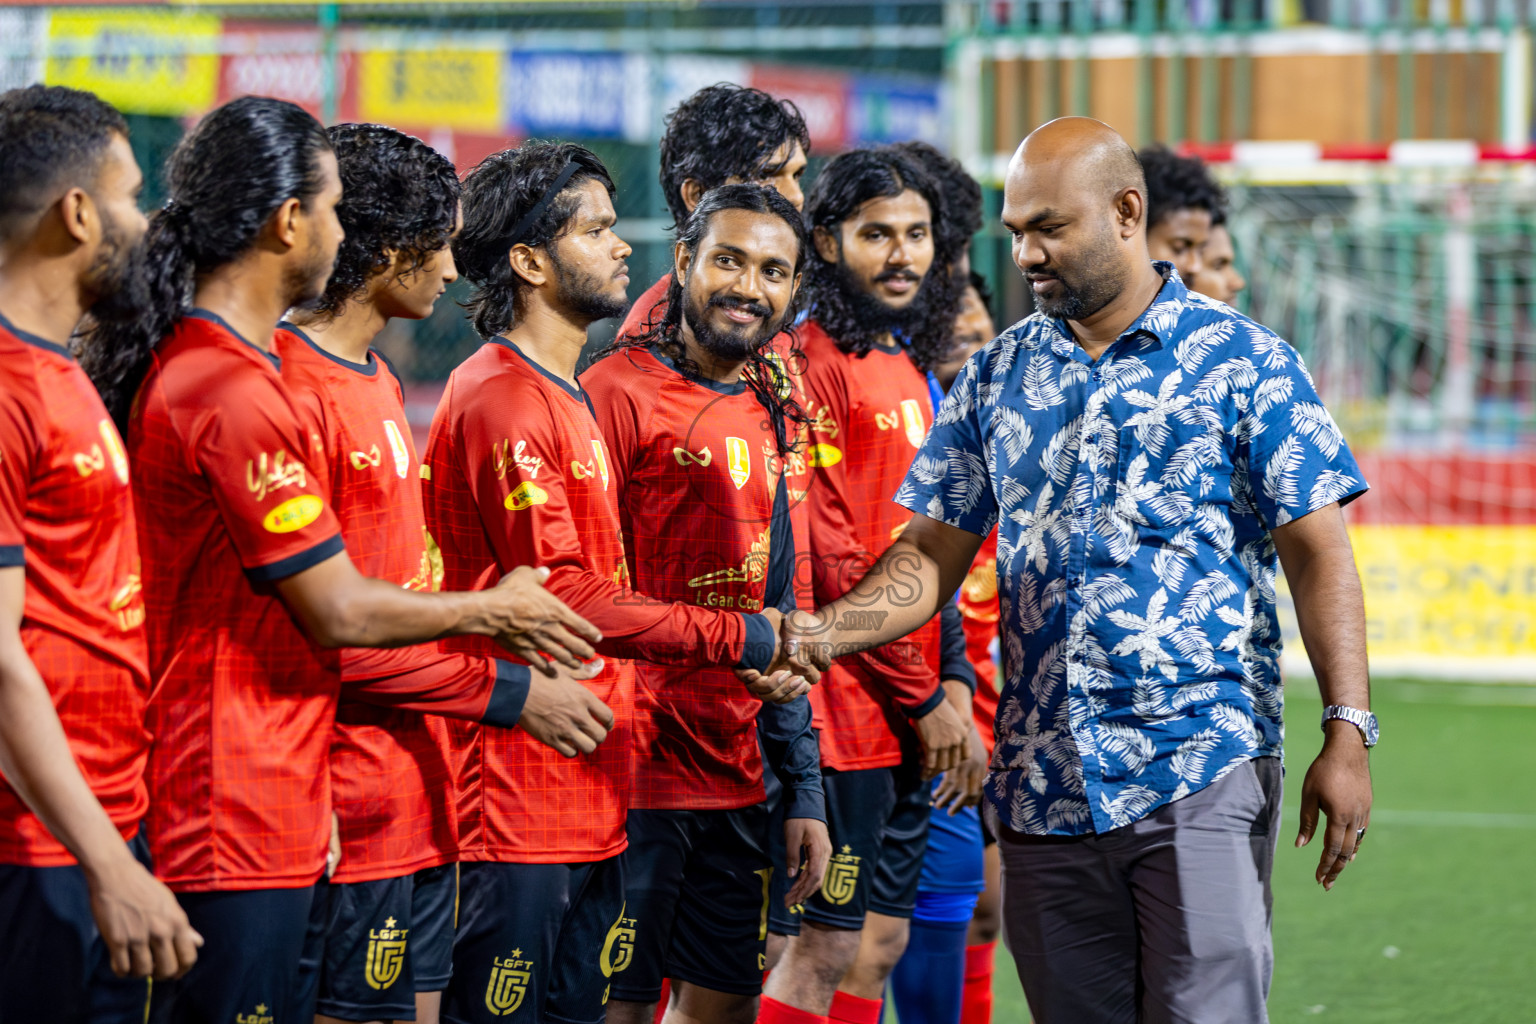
{"type": "Point", "coordinates": [1298, 461]}
{"type": "Point", "coordinates": [949, 479]}
{"type": "Point", "coordinates": [18, 450]}
{"type": "Point", "coordinates": [266, 469]}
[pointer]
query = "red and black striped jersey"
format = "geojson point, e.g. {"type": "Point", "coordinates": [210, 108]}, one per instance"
{"type": "Point", "coordinates": [66, 514]}
{"type": "Point", "coordinates": [869, 416]}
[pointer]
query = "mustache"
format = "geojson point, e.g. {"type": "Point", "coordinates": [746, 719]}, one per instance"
{"type": "Point", "coordinates": [757, 309]}
{"type": "Point", "coordinates": [898, 274]}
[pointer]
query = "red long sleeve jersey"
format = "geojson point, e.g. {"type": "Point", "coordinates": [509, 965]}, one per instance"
{"type": "Point", "coordinates": [796, 466]}
{"type": "Point", "coordinates": [518, 475]}
{"type": "Point", "coordinates": [391, 770]}
{"type": "Point", "coordinates": [979, 614]}
{"type": "Point", "coordinates": [869, 417]}
{"type": "Point", "coordinates": [695, 468]}
{"type": "Point", "coordinates": [66, 514]}
{"type": "Point", "coordinates": [232, 492]}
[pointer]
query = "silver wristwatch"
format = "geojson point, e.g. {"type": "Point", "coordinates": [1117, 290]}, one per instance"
{"type": "Point", "coordinates": [1362, 720]}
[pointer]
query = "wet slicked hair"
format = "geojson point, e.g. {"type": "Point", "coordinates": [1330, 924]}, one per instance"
{"type": "Point", "coordinates": [398, 194]}
{"type": "Point", "coordinates": [226, 178]}
{"type": "Point", "coordinates": [725, 131]}
{"type": "Point", "coordinates": [498, 193]}
{"type": "Point", "coordinates": [53, 139]}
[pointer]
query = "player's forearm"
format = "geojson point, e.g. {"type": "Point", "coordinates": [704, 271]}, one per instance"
{"type": "Point", "coordinates": [900, 592]}
{"type": "Point", "coordinates": [373, 613]}
{"type": "Point", "coordinates": [37, 762]}
{"type": "Point", "coordinates": [1330, 605]}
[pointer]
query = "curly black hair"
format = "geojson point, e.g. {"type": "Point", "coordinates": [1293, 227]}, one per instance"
{"type": "Point", "coordinates": [398, 195]}
{"type": "Point", "coordinates": [766, 377]}
{"type": "Point", "coordinates": [53, 138]}
{"type": "Point", "coordinates": [857, 321]}
{"type": "Point", "coordinates": [962, 192]}
{"type": "Point", "coordinates": [1179, 183]}
{"type": "Point", "coordinates": [725, 131]}
{"type": "Point", "coordinates": [498, 193]}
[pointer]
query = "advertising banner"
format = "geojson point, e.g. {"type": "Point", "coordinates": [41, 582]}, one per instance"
{"type": "Point", "coordinates": [822, 97]}
{"type": "Point", "coordinates": [592, 95]}
{"type": "Point", "coordinates": [144, 62]}
{"type": "Point", "coordinates": [432, 88]}
{"type": "Point", "coordinates": [284, 61]}
{"type": "Point", "coordinates": [894, 110]}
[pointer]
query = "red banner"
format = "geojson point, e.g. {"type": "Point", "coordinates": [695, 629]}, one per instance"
{"type": "Point", "coordinates": [822, 97]}
{"type": "Point", "coordinates": [262, 59]}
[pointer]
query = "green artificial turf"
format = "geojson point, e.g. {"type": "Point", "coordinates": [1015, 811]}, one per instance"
{"type": "Point", "coordinates": [1435, 922]}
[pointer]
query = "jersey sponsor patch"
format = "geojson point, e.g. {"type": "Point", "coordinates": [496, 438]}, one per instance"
{"type": "Point", "coordinates": [397, 448]}
{"type": "Point", "coordinates": [525, 495]}
{"type": "Point", "coordinates": [739, 460]}
{"type": "Point", "coordinates": [293, 514]}
{"type": "Point", "coordinates": [825, 455]}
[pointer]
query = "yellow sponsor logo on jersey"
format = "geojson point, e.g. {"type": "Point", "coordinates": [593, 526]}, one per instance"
{"type": "Point", "coordinates": [398, 448]}
{"type": "Point", "coordinates": [294, 514]}
{"type": "Point", "coordinates": [602, 460]}
{"type": "Point", "coordinates": [842, 879]}
{"type": "Point", "coordinates": [114, 447]}
{"type": "Point", "coordinates": [369, 459]}
{"type": "Point", "coordinates": [509, 983]}
{"type": "Point", "coordinates": [825, 455]}
{"type": "Point", "coordinates": [525, 495]}
{"type": "Point", "coordinates": [684, 456]}
{"type": "Point", "coordinates": [912, 420]}
{"type": "Point", "coordinates": [738, 460]}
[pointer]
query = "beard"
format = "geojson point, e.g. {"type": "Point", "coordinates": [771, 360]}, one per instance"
{"type": "Point", "coordinates": [877, 317]}
{"type": "Point", "coordinates": [116, 276]}
{"type": "Point", "coordinates": [1081, 295]}
{"type": "Point", "coordinates": [727, 343]}
{"type": "Point", "coordinates": [305, 283]}
{"type": "Point", "coordinates": [583, 294]}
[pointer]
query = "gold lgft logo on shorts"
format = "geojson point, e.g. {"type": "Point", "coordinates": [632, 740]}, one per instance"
{"type": "Point", "coordinates": [386, 955]}
{"type": "Point", "coordinates": [842, 879]}
{"type": "Point", "coordinates": [509, 983]}
{"type": "Point", "coordinates": [261, 1016]}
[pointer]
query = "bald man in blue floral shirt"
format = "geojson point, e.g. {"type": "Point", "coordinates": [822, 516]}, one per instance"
{"type": "Point", "coordinates": [1150, 457]}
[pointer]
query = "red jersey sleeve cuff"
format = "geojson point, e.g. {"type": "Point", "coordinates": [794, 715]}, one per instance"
{"type": "Point", "coordinates": [295, 564]}
{"type": "Point", "coordinates": [508, 694]}
{"type": "Point", "coordinates": [934, 700]}
{"type": "Point", "coordinates": [12, 555]}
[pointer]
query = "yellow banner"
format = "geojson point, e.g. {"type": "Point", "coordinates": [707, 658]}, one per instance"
{"type": "Point", "coordinates": [1450, 602]}
{"type": "Point", "coordinates": [141, 62]}
{"type": "Point", "coordinates": [432, 89]}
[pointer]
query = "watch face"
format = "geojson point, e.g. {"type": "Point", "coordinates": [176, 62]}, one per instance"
{"type": "Point", "coordinates": [1372, 731]}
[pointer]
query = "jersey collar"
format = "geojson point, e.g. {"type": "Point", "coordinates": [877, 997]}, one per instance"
{"type": "Point", "coordinates": [198, 313]}
{"type": "Point", "coordinates": [368, 369]}
{"type": "Point", "coordinates": [32, 339]}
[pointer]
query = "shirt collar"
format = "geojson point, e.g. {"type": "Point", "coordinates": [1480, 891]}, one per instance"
{"type": "Point", "coordinates": [1157, 322]}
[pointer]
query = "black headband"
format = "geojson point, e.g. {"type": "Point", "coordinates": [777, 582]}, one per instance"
{"type": "Point", "coordinates": [529, 219]}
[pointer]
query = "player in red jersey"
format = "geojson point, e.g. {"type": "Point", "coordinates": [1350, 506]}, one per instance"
{"type": "Point", "coordinates": [873, 214]}
{"type": "Point", "coordinates": [80, 905]}
{"type": "Point", "coordinates": [387, 912]}
{"type": "Point", "coordinates": [246, 579]}
{"type": "Point", "coordinates": [518, 469]}
{"type": "Point", "coordinates": [699, 423]}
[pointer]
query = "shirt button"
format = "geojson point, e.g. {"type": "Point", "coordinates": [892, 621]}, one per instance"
{"type": "Point", "coordinates": [1073, 583]}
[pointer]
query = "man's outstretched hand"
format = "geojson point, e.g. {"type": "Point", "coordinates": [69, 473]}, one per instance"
{"type": "Point", "coordinates": [563, 714]}
{"type": "Point", "coordinates": [146, 931]}
{"type": "Point", "coordinates": [537, 626]}
{"type": "Point", "coordinates": [1338, 784]}
{"type": "Point", "coordinates": [809, 851]}
{"type": "Point", "coordinates": [787, 678]}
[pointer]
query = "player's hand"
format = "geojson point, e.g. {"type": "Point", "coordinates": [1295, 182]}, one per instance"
{"type": "Point", "coordinates": [809, 851]}
{"type": "Point", "coordinates": [1338, 783]}
{"type": "Point", "coordinates": [536, 625]}
{"type": "Point", "coordinates": [563, 714]}
{"type": "Point", "coordinates": [146, 931]}
{"type": "Point", "coordinates": [961, 786]}
{"type": "Point", "coordinates": [783, 657]}
{"type": "Point", "coordinates": [804, 639]}
{"type": "Point", "coordinates": [944, 735]}
{"type": "Point", "coordinates": [779, 688]}
{"type": "Point", "coordinates": [333, 850]}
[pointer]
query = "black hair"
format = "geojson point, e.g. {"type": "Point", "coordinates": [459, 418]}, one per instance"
{"type": "Point", "coordinates": [725, 131]}
{"type": "Point", "coordinates": [962, 193]}
{"type": "Point", "coordinates": [766, 378]}
{"type": "Point", "coordinates": [398, 194]}
{"type": "Point", "coordinates": [1179, 183]}
{"type": "Point", "coordinates": [983, 290]}
{"type": "Point", "coordinates": [224, 179]}
{"type": "Point", "coordinates": [854, 320]}
{"type": "Point", "coordinates": [53, 139]}
{"type": "Point", "coordinates": [503, 189]}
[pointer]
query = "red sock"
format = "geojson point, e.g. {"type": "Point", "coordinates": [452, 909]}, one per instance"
{"type": "Point", "coordinates": [661, 1004]}
{"type": "Point", "coordinates": [976, 1001]}
{"type": "Point", "coordinates": [771, 1011]}
{"type": "Point", "coordinates": [847, 1009]}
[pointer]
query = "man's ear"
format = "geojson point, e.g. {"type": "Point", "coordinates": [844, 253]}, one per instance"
{"type": "Point", "coordinates": [284, 223]}
{"type": "Point", "coordinates": [691, 192]}
{"type": "Point", "coordinates": [1130, 211]}
{"type": "Point", "coordinates": [529, 263]}
{"type": "Point", "coordinates": [682, 259]}
{"type": "Point", "coordinates": [827, 247]}
{"type": "Point", "coordinates": [77, 212]}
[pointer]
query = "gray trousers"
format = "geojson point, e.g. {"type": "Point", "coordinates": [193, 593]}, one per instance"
{"type": "Point", "coordinates": [1163, 921]}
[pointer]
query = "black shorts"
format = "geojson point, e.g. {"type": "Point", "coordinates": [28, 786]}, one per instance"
{"type": "Point", "coordinates": [878, 821]}
{"type": "Point", "coordinates": [248, 968]}
{"type": "Point", "coordinates": [53, 964]}
{"type": "Point", "coordinates": [537, 942]}
{"type": "Point", "coordinates": [697, 894]}
{"type": "Point", "coordinates": [386, 940]}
